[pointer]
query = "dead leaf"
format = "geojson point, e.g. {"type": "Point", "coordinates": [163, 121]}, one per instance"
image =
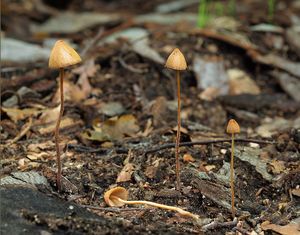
{"type": "Point", "coordinates": [158, 109]}
{"type": "Point", "coordinates": [291, 228]}
{"type": "Point", "coordinates": [209, 93]}
{"type": "Point", "coordinates": [277, 166]}
{"type": "Point", "coordinates": [289, 84]}
{"type": "Point", "coordinates": [188, 158]}
{"type": "Point", "coordinates": [241, 83]}
{"type": "Point", "coordinates": [87, 70]}
{"type": "Point", "coordinates": [210, 167]}
{"type": "Point", "coordinates": [112, 108]}
{"type": "Point", "coordinates": [16, 114]}
{"type": "Point", "coordinates": [296, 192]}
{"type": "Point", "coordinates": [151, 171]}
{"type": "Point", "coordinates": [211, 75]}
{"type": "Point", "coordinates": [49, 115]}
{"type": "Point", "coordinates": [73, 22]}
{"type": "Point", "coordinates": [65, 123]}
{"type": "Point", "coordinates": [72, 92]}
{"type": "Point", "coordinates": [126, 172]}
{"type": "Point", "coordinates": [113, 129]}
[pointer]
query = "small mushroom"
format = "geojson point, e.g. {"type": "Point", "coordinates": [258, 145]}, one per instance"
{"type": "Point", "coordinates": [62, 56]}
{"type": "Point", "coordinates": [177, 62]}
{"type": "Point", "coordinates": [112, 197]}
{"type": "Point", "coordinates": [118, 196]}
{"type": "Point", "coordinates": [232, 128]}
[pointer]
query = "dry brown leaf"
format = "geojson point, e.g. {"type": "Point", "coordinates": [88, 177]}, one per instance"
{"type": "Point", "coordinates": [87, 70]}
{"type": "Point", "coordinates": [188, 158]}
{"type": "Point", "coordinates": [241, 83]}
{"type": "Point", "coordinates": [126, 172]}
{"type": "Point", "coordinates": [65, 123]}
{"type": "Point", "coordinates": [72, 92]}
{"type": "Point", "coordinates": [277, 166]}
{"type": "Point", "coordinates": [113, 129]}
{"type": "Point", "coordinates": [148, 128]}
{"type": "Point", "coordinates": [296, 192]}
{"type": "Point", "coordinates": [151, 171]}
{"type": "Point", "coordinates": [289, 229]}
{"type": "Point", "coordinates": [158, 110]}
{"type": "Point", "coordinates": [49, 115]}
{"type": "Point", "coordinates": [16, 114]}
{"type": "Point", "coordinates": [210, 167]}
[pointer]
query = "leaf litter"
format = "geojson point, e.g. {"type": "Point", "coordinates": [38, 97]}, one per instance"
{"type": "Point", "coordinates": [121, 99]}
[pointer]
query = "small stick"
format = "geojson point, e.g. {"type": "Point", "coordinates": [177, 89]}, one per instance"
{"type": "Point", "coordinates": [216, 224]}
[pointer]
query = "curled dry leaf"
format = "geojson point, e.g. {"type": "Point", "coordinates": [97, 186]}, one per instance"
{"type": "Point", "coordinates": [125, 174]}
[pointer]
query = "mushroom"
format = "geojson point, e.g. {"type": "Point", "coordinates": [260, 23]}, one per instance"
{"type": "Point", "coordinates": [118, 196]}
{"type": "Point", "coordinates": [62, 56]}
{"type": "Point", "coordinates": [177, 62]}
{"type": "Point", "coordinates": [232, 128]}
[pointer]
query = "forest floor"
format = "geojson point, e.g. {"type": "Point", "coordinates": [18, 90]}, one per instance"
{"type": "Point", "coordinates": [120, 120]}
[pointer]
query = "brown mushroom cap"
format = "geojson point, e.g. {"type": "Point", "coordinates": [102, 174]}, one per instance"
{"type": "Point", "coordinates": [176, 60]}
{"type": "Point", "coordinates": [112, 195]}
{"type": "Point", "coordinates": [232, 127]}
{"type": "Point", "coordinates": [62, 55]}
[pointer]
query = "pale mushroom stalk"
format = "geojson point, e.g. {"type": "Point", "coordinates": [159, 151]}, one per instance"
{"type": "Point", "coordinates": [161, 206]}
{"type": "Point", "coordinates": [177, 62]}
{"type": "Point", "coordinates": [232, 175]}
{"type": "Point", "coordinates": [61, 111]}
{"type": "Point", "coordinates": [178, 131]}
{"type": "Point", "coordinates": [62, 56]}
{"type": "Point", "coordinates": [118, 196]}
{"type": "Point", "coordinates": [232, 128]}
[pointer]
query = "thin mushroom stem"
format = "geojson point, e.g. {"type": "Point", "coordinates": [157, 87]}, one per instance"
{"type": "Point", "coordinates": [58, 176]}
{"type": "Point", "coordinates": [232, 176]}
{"type": "Point", "coordinates": [178, 132]}
{"type": "Point", "coordinates": [158, 205]}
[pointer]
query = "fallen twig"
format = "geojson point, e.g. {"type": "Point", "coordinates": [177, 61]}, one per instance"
{"type": "Point", "coordinates": [216, 224]}
{"type": "Point", "coordinates": [204, 142]}
{"type": "Point", "coordinates": [86, 149]}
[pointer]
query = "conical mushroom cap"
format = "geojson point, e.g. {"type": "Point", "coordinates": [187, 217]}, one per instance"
{"type": "Point", "coordinates": [233, 127]}
{"type": "Point", "coordinates": [112, 195]}
{"type": "Point", "coordinates": [62, 55]}
{"type": "Point", "coordinates": [176, 60]}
